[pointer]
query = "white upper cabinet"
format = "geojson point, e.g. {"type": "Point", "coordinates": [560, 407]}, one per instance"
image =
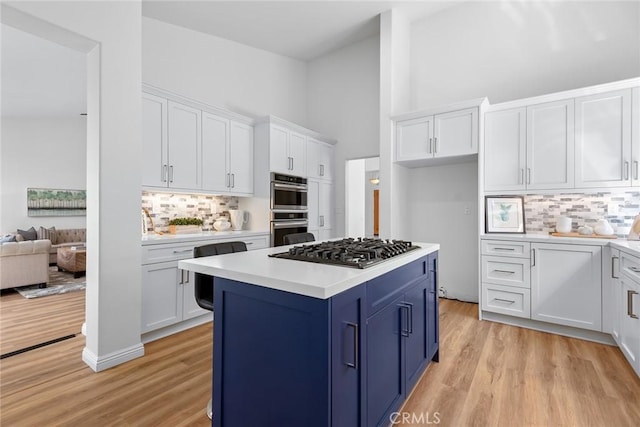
{"type": "Point", "coordinates": [241, 158]}
{"type": "Point", "coordinates": [635, 136]}
{"type": "Point", "coordinates": [550, 145]}
{"type": "Point", "coordinates": [456, 133]}
{"type": "Point", "coordinates": [319, 160]}
{"type": "Point", "coordinates": [603, 140]}
{"type": "Point", "coordinates": [505, 149]}
{"type": "Point", "coordinates": [215, 140]}
{"type": "Point", "coordinates": [187, 147]}
{"type": "Point", "coordinates": [441, 135]}
{"type": "Point", "coordinates": [154, 141]}
{"type": "Point", "coordinates": [288, 151]}
{"type": "Point", "coordinates": [184, 146]}
{"type": "Point", "coordinates": [414, 139]}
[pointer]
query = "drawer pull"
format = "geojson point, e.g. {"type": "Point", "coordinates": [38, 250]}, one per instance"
{"type": "Point", "coordinates": [249, 243]}
{"type": "Point", "coordinates": [356, 338]}
{"type": "Point", "coordinates": [630, 312]}
{"type": "Point", "coordinates": [635, 269]}
{"type": "Point", "coordinates": [505, 271]}
{"type": "Point", "coordinates": [504, 249]}
{"type": "Point", "coordinates": [504, 300]}
{"type": "Point", "coordinates": [613, 269]}
{"type": "Point", "coordinates": [183, 252]}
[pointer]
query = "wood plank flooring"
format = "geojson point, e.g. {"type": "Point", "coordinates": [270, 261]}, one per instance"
{"type": "Point", "coordinates": [26, 322]}
{"type": "Point", "coordinates": [489, 375]}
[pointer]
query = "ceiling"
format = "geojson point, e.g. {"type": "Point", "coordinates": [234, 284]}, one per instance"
{"type": "Point", "coordinates": [299, 29]}
{"type": "Point", "coordinates": [43, 79]}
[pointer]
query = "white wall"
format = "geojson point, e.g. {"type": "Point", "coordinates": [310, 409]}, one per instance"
{"type": "Point", "coordinates": [355, 200]}
{"type": "Point", "coordinates": [439, 196]}
{"type": "Point", "coordinates": [110, 34]}
{"type": "Point", "coordinates": [223, 73]}
{"type": "Point", "coordinates": [343, 101]}
{"type": "Point", "coordinates": [40, 153]}
{"type": "Point", "coordinates": [512, 50]}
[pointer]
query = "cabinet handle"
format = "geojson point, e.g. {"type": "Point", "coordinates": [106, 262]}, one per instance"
{"type": "Point", "coordinates": [528, 176]}
{"type": "Point", "coordinates": [233, 180]}
{"type": "Point", "coordinates": [504, 249]}
{"type": "Point", "coordinates": [183, 251]}
{"type": "Point", "coordinates": [430, 145]}
{"type": "Point", "coordinates": [321, 220]}
{"type": "Point", "coordinates": [613, 268]}
{"type": "Point", "coordinates": [533, 257]}
{"type": "Point", "coordinates": [626, 170]}
{"type": "Point", "coordinates": [630, 295]}
{"type": "Point", "coordinates": [521, 176]}
{"type": "Point", "coordinates": [181, 277]}
{"type": "Point", "coordinates": [435, 145]}
{"type": "Point", "coordinates": [410, 316]}
{"type": "Point", "coordinates": [171, 173]}
{"type": "Point", "coordinates": [505, 271]}
{"type": "Point", "coordinates": [635, 269]}
{"type": "Point", "coordinates": [404, 314]}
{"type": "Point", "coordinates": [356, 334]}
{"type": "Point", "coordinates": [249, 243]}
{"type": "Point", "coordinates": [504, 300]}
{"type": "Point", "coordinates": [321, 170]}
{"type": "Point", "coordinates": [635, 169]}
{"type": "Point", "coordinates": [226, 180]}
{"type": "Point", "coordinates": [187, 281]}
{"type": "Point", "coordinates": [163, 173]}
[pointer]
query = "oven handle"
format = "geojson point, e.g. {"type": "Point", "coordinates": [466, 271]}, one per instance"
{"type": "Point", "coordinates": [297, 187]}
{"type": "Point", "coordinates": [287, 224]}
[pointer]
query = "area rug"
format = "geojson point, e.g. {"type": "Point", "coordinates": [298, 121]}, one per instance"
{"type": "Point", "coordinates": [59, 283]}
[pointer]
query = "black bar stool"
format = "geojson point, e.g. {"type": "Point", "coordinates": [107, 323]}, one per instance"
{"type": "Point", "coordinates": [292, 239]}
{"type": "Point", "coordinates": [203, 283]}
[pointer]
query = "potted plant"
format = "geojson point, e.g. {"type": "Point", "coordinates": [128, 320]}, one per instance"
{"type": "Point", "coordinates": [185, 225]}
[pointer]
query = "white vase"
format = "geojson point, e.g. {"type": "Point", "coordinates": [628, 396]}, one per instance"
{"type": "Point", "coordinates": [563, 224]}
{"type": "Point", "coordinates": [603, 228]}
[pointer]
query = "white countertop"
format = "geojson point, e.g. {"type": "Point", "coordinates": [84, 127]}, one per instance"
{"type": "Point", "coordinates": [299, 277]}
{"type": "Point", "coordinates": [156, 239]}
{"type": "Point", "coordinates": [629, 246]}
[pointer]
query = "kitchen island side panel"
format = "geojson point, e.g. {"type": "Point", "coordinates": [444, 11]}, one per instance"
{"type": "Point", "coordinates": [271, 357]}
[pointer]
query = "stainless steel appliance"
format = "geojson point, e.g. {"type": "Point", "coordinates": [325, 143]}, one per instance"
{"type": "Point", "coordinates": [288, 192]}
{"type": "Point", "coordinates": [359, 253]}
{"type": "Point", "coordinates": [283, 223]}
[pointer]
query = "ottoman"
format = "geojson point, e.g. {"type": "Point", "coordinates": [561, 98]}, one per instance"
{"type": "Point", "coordinates": [72, 259]}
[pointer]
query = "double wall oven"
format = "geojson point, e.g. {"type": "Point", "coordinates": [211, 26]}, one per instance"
{"type": "Point", "coordinates": [288, 207]}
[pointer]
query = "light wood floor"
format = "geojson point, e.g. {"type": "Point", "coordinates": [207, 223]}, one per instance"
{"type": "Point", "coordinates": [26, 322]}
{"type": "Point", "coordinates": [489, 374]}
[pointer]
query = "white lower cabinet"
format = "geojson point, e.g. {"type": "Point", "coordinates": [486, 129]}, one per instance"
{"type": "Point", "coordinates": [629, 309]}
{"type": "Point", "coordinates": [168, 295]}
{"type": "Point", "coordinates": [566, 285]}
{"type": "Point", "coordinates": [507, 300]}
{"type": "Point", "coordinates": [320, 202]}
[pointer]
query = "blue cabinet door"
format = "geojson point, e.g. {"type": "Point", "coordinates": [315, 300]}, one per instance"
{"type": "Point", "coordinates": [417, 341]}
{"type": "Point", "coordinates": [385, 365]}
{"type": "Point", "coordinates": [433, 310]}
{"type": "Point", "coordinates": [348, 358]}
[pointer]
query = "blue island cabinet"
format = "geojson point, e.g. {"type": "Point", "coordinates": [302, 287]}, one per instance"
{"type": "Point", "coordinates": [283, 359]}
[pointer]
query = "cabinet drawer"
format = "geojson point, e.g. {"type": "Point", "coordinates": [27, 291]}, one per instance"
{"type": "Point", "coordinates": [506, 271]}
{"type": "Point", "coordinates": [384, 289]}
{"type": "Point", "coordinates": [630, 266]}
{"type": "Point", "coordinates": [162, 253]}
{"type": "Point", "coordinates": [506, 248]}
{"type": "Point", "coordinates": [256, 242]}
{"type": "Point", "coordinates": [506, 300]}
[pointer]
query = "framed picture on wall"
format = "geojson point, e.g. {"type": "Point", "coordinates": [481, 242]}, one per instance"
{"type": "Point", "coordinates": [504, 214]}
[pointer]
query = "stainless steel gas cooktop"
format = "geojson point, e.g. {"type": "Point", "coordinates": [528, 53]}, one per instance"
{"type": "Point", "coordinates": [349, 252]}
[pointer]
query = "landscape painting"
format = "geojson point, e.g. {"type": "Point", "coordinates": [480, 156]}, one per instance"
{"type": "Point", "coordinates": [56, 202]}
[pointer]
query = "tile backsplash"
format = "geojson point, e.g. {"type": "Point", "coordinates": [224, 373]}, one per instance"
{"type": "Point", "coordinates": [163, 207]}
{"type": "Point", "coordinates": [542, 211]}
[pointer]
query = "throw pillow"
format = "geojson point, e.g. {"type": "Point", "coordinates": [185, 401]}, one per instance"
{"type": "Point", "coordinates": [48, 234]}
{"type": "Point", "coordinates": [8, 238]}
{"type": "Point", "coordinates": [30, 234]}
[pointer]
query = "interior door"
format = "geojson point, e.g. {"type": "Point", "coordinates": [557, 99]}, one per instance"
{"type": "Point", "coordinates": [376, 212]}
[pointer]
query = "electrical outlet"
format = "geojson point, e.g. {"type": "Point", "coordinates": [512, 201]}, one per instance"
{"type": "Point", "coordinates": [467, 210]}
{"type": "Point", "coordinates": [613, 209]}
{"type": "Point", "coordinates": [442, 292]}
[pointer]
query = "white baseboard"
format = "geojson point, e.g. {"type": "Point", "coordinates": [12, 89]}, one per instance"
{"type": "Point", "coordinates": [178, 327]}
{"type": "Point", "coordinates": [567, 331]}
{"type": "Point", "coordinates": [100, 363]}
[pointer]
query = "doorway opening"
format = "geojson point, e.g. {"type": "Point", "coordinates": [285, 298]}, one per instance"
{"type": "Point", "coordinates": [362, 195]}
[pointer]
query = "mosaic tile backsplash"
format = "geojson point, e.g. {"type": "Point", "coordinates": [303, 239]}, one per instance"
{"type": "Point", "coordinates": [163, 207]}
{"type": "Point", "coordinates": [542, 211]}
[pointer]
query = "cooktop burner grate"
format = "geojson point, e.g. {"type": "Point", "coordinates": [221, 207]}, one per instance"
{"type": "Point", "coordinates": [349, 252]}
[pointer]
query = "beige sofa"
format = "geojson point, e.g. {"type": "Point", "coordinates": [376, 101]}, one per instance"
{"type": "Point", "coordinates": [24, 263]}
{"type": "Point", "coordinates": [67, 237]}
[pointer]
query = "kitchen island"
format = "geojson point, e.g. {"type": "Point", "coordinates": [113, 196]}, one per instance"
{"type": "Point", "coordinates": [299, 343]}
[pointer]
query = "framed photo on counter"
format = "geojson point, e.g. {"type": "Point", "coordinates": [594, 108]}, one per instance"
{"type": "Point", "coordinates": [504, 214]}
